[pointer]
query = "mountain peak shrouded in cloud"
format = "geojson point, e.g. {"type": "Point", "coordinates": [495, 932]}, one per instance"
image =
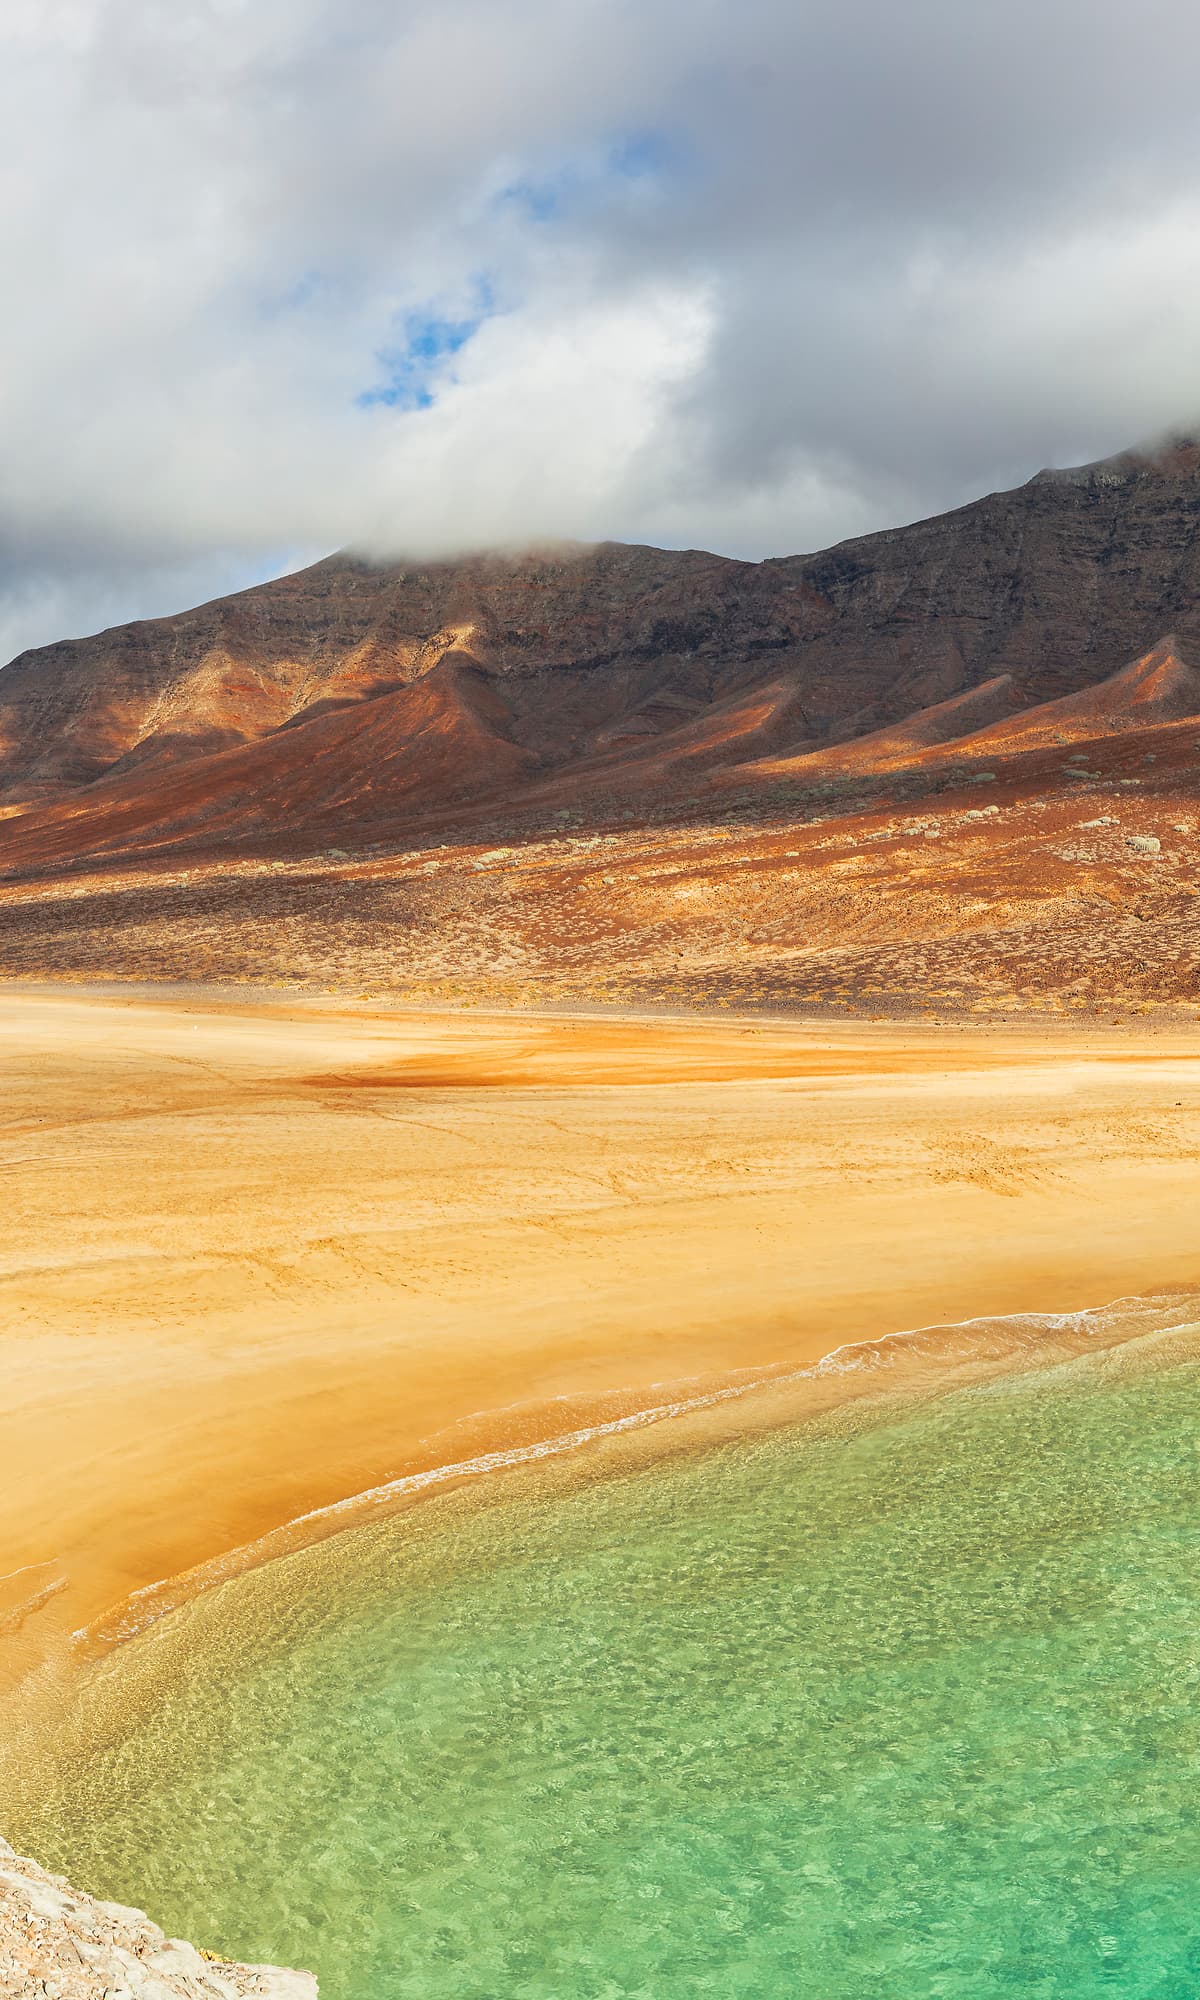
{"type": "Point", "coordinates": [295, 276]}
{"type": "Point", "coordinates": [362, 695]}
{"type": "Point", "coordinates": [954, 761]}
{"type": "Point", "coordinates": [1175, 453]}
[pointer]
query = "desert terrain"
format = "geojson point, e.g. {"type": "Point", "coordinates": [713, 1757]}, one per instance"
{"type": "Point", "coordinates": [448, 1009]}
{"type": "Point", "coordinates": [953, 769]}
{"type": "Point", "coordinates": [262, 1255]}
{"type": "Point", "coordinates": [1069, 892]}
{"type": "Point", "coordinates": [438, 1002]}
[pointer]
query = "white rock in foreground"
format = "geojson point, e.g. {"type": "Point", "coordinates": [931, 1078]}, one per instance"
{"type": "Point", "coordinates": [58, 1945]}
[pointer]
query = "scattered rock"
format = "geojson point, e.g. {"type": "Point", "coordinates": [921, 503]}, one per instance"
{"type": "Point", "coordinates": [1143, 843]}
{"type": "Point", "coordinates": [56, 1944]}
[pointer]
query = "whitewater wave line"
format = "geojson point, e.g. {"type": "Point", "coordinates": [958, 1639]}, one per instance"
{"type": "Point", "coordinates": [156, 1600]}
{"type": "Point", "coordinates": [373, 1497]}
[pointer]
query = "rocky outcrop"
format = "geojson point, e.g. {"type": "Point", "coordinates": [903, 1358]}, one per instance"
{"type": "Point", "coordinates": [56, 1944]}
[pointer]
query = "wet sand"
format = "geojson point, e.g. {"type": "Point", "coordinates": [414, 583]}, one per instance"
{"type": "Point", "coordinates": [260, 1256]}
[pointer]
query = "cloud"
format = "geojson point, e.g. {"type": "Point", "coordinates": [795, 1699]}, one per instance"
{"type": "Point", "coordinates": [425, 274]}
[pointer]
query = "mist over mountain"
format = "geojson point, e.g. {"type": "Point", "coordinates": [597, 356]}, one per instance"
{"type": "Point", "coordinates": [950, 765]}
{"type": "Point", "coordinates": [418, 280]}
{"type": "Point", "coordinates": [360, 696]}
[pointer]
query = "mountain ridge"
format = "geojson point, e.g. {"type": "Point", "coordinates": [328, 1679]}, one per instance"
{"type": "Point", "coordinates": [953, 766]}
{"type": "Point", "coordinates": [1057, 583]}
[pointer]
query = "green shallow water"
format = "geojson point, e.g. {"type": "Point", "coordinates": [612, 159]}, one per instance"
{"type": "Point", "coordinates": [902, 1706]}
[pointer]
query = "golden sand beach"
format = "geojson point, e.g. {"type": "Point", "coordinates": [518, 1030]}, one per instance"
{"type": "Point", "coordinates": [259, 1256]}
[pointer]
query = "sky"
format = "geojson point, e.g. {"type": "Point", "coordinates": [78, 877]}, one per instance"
{"type": "Point", "coordinates": [420, 276]}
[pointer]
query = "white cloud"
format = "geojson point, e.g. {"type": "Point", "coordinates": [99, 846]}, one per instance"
{"type": "Point", "coordinates": [762, 273]}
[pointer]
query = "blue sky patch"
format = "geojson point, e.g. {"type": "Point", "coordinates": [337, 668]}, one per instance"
{"type": "Point", "coordinates": [413, 367]}
{"type": "Point", "coordinates": [637, 158]}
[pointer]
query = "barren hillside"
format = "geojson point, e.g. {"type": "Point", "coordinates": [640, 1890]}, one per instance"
{"type": "Point", "coordinates": [950, 766]}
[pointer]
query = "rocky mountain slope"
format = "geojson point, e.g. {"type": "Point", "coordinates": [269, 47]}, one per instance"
{"type": "Point", "coordinates": [593, 650]}
{"type": "Point", "coordinates": [580, 644]}
{"type": "Point", "coordinates": [56, 1944]}
{"type": "Point", "coordinates": [482, 777]}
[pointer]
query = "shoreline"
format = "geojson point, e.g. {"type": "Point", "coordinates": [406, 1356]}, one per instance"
{"type": "Point", "coordinates": [889, 1371]}
{"type": "Point", "coordinates": [861, 1385]}
{"type": "Point", "coordinates": [112, 1700]}
{"type": "Point", "coordinates": [249, 1277]}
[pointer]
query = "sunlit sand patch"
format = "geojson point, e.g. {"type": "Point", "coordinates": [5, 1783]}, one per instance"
{"type": "Point", "coordinates": [308, 1240]}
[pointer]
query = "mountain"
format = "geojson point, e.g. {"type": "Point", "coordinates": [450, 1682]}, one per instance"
{"type": "Point", "coordinates": [595, 650]}
{"type": "Point", "coordinates": [981, 726]}
{"type": "Point", "coordinates": [1156, 689]}
{"type": "Point", "coordinates": [899, 745]}
{"type": "Point", "coordinates": [394, 722]}
{"type": "Point", "coordinates": [583, 644]}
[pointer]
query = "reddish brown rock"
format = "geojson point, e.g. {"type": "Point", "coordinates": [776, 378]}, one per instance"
{"type": "Point", "coordinates": [907, 772]}
{"type": "Point", "coordinates": [604, 652]}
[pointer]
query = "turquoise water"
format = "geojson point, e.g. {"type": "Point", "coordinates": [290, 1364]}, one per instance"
{"type": "Point", "coordinates": [901, 1706]}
